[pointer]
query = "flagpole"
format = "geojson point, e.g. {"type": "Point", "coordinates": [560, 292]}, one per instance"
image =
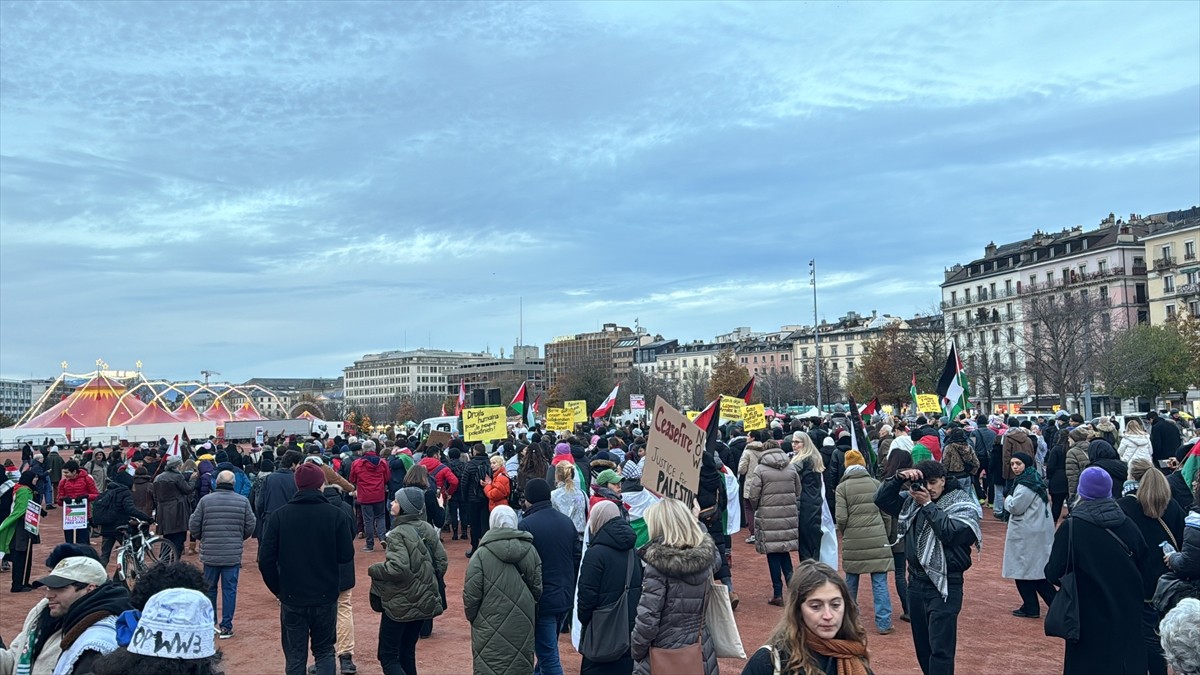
{"type": "Point", "coordinates": [812, 280]}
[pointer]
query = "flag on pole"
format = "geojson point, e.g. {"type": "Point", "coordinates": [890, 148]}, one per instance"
{"type": "Point", "coordinates": [537, 404]}
{"type": "Point", "coordinates": [173, 448]}
{"type": "Point", "coordinates": [952, 385]}
{"type": "Point", "coordinates": [607, 406]}
{"type": "Point", "coordinates": [747, 391]}
{"type": "Point", "coordinates": [443, 408]}
{"type": "Point", "coordinates": [912, 393]}
{"type": "Point", "coordinates": [870, 408]}
{"type": "Point", "coordinates": [856, 423]}
{"type": "Point", "coordinates": [523, 405]}
{"type": "Point", "coordinates": [462, 397]}
{"type": "Point", "coordinates": [709, 419]}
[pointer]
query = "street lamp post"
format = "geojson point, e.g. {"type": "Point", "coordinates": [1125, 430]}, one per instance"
{"type": "Point", "coordinates": [812, 280]}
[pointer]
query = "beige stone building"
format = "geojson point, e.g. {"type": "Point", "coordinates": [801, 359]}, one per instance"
{"type": "Point", "coordinates": [1173, 275]}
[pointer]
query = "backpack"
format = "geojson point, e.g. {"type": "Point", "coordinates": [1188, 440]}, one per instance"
{"type": "Point", "coordinates": [242, 484]}
{"type": "Point", "coordinates": [981, 452]}
{"type": "Point", "coordinates": [459, 469]}
{"type": "Point", "coordinates": [107, 511]}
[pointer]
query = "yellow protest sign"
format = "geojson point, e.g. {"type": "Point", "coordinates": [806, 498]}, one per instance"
{"type": "Point", "coordinates": [579, 408]}
{"type": "Point", "coordinates": [731, 407]}
{"type": "Point", "coordinates": [928, 403]}
{"type": "Point", "coordinates": [887, 409]}
{"type": "Point", "coordinates": [484, 424]}
{"type": "Point", "coordinates": [674, 449]}
{"type": "Point", "coordinates": [754, 417]}
{"type": "Point", "coordinates": [560, 419]}
{"type": "Point", "coordinates": [692, 415]}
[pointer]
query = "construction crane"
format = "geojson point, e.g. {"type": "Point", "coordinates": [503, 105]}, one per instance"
{"type": "Point", "coordinates": [207, 373]}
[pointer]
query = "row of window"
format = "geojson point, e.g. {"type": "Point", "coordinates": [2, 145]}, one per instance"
{"type": "Point", "coordinates": [1169, 281]}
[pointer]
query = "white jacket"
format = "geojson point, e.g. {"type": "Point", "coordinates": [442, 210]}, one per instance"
{"type": "Point", "coordinates": [1133, 446]}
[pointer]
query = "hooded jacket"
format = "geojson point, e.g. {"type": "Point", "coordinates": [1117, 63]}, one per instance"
{"type": "Point", "coordinates": [171, 492]}
{"type": "Point", "coordinates": [602, 579]}
{"type": "Point", "coordinates": [407, 579]}
{"type": "Point", "coordinates": [500, 597]}
{"type": "Point", "coordinates": [1102, 454]}
{"type": "Point", "coordinates": [74, 642]}
{"type": "Point", "coordinates": [123, 503]}
{"type": "Point", "coordinates": [773, 489]}
{"type": "Point", "coordinates": [1077, 460]}
{"type": "Point", "coordinates": [670, 611]}
{"type": "Point", "coordinates": [370, 478]}
{"type": "Point", "coordinates": [80, 487]}
{"type": "Point", "coordinates": [865, 547]}
{"type": "Point", "coordinates": [1016, 439]}
{"type": "Point", "coordinates": [1135, 446]}
{"type": "Point", "coordinates": [751, 456]}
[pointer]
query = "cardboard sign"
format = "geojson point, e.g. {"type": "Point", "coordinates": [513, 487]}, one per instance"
{"type": "Point", "coordinates": [928, 403]}
{"type": "Point", "coordinates": [579, 408]}
{"type": "Point", "coordinates": [33, 516]}
{"type": "Point", "coordinates": [75, 514]}
{"type": "Point", "coordinates": [731, 408]}
{"type": "Point", "coordinates": [637, 402]}
{"type": "Point", "coordinates": [560, 419]}
{"type": "Point", "coordinates": [436, 437]}
{"type": "Point", "coordinates": [754, 417]}
{"type": "Point", "coordinates": [484, 424]}
{"type": "Point", "coordinates": [673, 453]}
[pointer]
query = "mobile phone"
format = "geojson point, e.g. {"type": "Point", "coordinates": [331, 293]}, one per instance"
{"type": "Point", "coordinates": [1167, 548]}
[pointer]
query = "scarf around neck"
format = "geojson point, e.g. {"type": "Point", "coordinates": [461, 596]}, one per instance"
{"type": "Point", "coordinates": [851, 655]}
{"type": "Point", "coordinates": [958, 505]}
{"type": "Point", "coordinates": [1031, 479]}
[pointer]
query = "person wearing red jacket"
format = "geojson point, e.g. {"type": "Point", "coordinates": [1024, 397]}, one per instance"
{"type": "Point", "coordinates": [77, 484]}
{"type": "Point", "coordinates": [497, 488]}
{"type": "Point", "coordinates": [370, 477]}
{"type": "Point", "coordinates": [447, 482]}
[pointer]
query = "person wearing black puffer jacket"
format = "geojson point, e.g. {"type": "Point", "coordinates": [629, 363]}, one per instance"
{"type": "Point", "coordinates": [112, 511]}
{"type": "Point", "coordinates": [714, 501]}
{"type": "Point", "coordinates": [1102, 454]}
{"type": "Point", "coordinates": [609, 561]}
{"type": "Point", "coordinates": [343, 645]}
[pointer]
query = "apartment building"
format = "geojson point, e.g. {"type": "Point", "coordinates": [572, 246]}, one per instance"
{"type": "Point", "coordinates": [645, 357]}
{"type": "Point", "coordinates": [1173, 276]}
{"type": "Point", "coordinates": [844, 343]}
{"type": "Point", "coordinates": [376, 378]}
{"type": "Point", "coordinates": [696, 356]}
{"type": "Point", "coordinates": [16, 396]}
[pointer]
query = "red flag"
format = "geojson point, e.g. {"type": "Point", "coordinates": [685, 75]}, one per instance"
{"type": "Point", "coordinates": [173, 449]}
{"type": "Point", "coordinates": [462, 397]}
{"type": "Point", "coordinates": [607, 406]}
{"type": "Point", "coordinates": [443, 408]}
{"type": "Point", "coordinates": [537, 404]}
{"type": "Point", "coordinates": [747, 391]}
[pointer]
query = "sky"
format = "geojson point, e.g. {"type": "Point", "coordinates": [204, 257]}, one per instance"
{"type": "Point", "coordinates": [273, 190]}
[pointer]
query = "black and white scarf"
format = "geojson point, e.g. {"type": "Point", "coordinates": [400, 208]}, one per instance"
{"type": "Point", "coordinates": [958, 505]}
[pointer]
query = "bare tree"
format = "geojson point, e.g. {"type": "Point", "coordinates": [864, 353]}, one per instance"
{"type": "Point", "coordinates": [985, 370]}
{"type": "Point", "coordinates": [587, 381]}
{"type": "Point", "coordinates": [831, 386]}
{"type": "Point", "coordinates": [777, 388]}
{"type": "Point", "coordinates": [693, 388]}
{"type": "Point", "coordinates": [1062, 338]}
{"type": "Point", "coordinates": [652, 387]}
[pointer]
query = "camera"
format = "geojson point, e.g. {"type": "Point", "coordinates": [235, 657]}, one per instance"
{"type": "Point", "coordinates": [916, 485]}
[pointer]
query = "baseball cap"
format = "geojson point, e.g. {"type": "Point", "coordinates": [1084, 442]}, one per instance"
{"type": "Point", "coordinates": [77, 569]}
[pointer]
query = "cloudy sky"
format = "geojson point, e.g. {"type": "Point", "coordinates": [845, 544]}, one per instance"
{"type": "Point", "coordinates": [273, 189]}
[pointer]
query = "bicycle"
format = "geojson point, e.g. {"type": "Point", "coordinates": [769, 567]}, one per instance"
{"type": "Point", "coordinates": [141, 550]}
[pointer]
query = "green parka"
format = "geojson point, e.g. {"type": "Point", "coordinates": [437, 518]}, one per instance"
{"type": "Point", "coordinates": [500, 596]}
{"type": "Point", "coordinates": [865, 546]}
{"type": "Point", "coordinates": [406, 581]}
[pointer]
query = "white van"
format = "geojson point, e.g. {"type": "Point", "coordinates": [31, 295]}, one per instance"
{"type": "Point", "coordinates": [448, 424]}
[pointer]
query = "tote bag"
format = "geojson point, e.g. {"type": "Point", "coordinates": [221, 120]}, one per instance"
{"type": "Point", "coordinates": [721, 624]}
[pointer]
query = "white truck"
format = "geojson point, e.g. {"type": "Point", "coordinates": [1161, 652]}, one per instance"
{"type": "Point", "coordinates": [13, 439]}
{"type": "Point", "coordinates": [243, 430]}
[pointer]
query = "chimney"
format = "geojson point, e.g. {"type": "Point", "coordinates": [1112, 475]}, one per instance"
{"type": "Point", "coordinates": [989, 251]}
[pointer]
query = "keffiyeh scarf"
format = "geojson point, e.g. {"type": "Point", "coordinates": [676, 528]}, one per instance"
{"type": "Point", "coordinates": [958, 505]}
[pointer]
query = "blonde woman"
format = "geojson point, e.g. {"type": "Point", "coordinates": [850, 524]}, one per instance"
{"type": "Point", "coordinates": [498, 487]}
{"type": "Point", "coordinates": [567, 498]}
{"type": "Point", "coordinates": [811, 504]}
{"type": "Point", "coordinates": [679, 569]}
{"type": "Point", "coordinates": [1135, 442]}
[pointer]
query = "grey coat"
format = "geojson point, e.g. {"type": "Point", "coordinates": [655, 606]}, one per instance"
{"type": "Point", "coordinates": [671, 609]}
{"type": "Point", "coordinates": [773, 488]}
{"type": "Point", "coordinates": [221, 523]}
{"type": "Point", "coordinates": [1030, 535]}
{"type": "Point", "coordinates": [171, 502]}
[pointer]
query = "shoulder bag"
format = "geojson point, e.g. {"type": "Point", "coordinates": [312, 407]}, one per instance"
{"type": "Point", "coordinates": [607, 636]}
{"type": "Point", "coordinates": [721, 624]}
{"type": "Point", "coordinates": [1062, 621]}
{"type": "Point", "coordinates": [686, 660]}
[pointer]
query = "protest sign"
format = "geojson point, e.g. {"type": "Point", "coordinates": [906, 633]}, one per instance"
{"type": "Point", "coordinates": [560, 419]}
{"type": "Point", "coordinates": [33, 516]}
{"type": "Point", "coordinates": [436, 438]}
{"type": "Point", "coordinates": [928, 403]}
{"type": "Point", "coordinates": [754, 417]}
{"type": "Point", "coordinates": [259, 435]}
{"type": "Point", "coordinates": [637, 402]}
{"type": "Point", "coordinates": [579, 408]}
{"type": "Point", "coordinates": [484, 424]}
{"type": "Point", "coordinates": [692, 415]}
{"type": "Point", "coordinates": [673, 452]}
{"type": "Point", "coordinates": [731, 408]}
{"type": "Point", "coordinates": [75, 514]}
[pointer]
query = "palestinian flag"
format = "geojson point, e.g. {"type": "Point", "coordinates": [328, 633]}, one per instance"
{"type": "Point", "coordinates": [523, 405]}
{"type": "Point", "coordinates": [747, 391]}
{"type": "Point", "coordinates": [912, 393]}
{"type": "Point", "coordinates": [638, 502]}
{"type": "Point", "coordinates": [709, 419]}
{"type": "Point", "coordinates": [871, 407]}
{"type": "Point", "coordinates": [537, 404]}
{"type": "Point", "coordinates": [1191, 464]}
{"type": "Point", "coordinates": [952, 385]}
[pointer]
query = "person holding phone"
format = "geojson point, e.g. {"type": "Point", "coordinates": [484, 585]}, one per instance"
{"type": "Point", "coordinates": [940, 522]}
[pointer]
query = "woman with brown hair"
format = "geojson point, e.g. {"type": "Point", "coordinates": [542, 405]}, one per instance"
{"type": "Point", "coordinates": [819, 632]}
{"type": "Point", "coordinates": [1149, 505]}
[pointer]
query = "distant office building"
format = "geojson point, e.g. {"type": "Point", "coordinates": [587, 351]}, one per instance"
{"type": "Point", "coordinates": [568, 352]}
{"type": "Point", "coordinates": [15, 397]}
{"type": "Point", "coordinates": [376, 378]}
{"type": "Point", "coordinates": [524, 366]}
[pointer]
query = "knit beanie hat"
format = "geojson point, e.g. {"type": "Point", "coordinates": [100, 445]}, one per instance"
{"type": "Point", "coordinates": [1094, 483]}
{"type": "Point", "coordinates": [855, 458]}
{"type": "Point", "coordinates": [607, 477]}
{"type": "Point", "coordinates": [309, 477]}
{"type": "Point", "coordinates": [411, 499]}
{"type": "Point", "coordinates": [562, 449]}
{"type": "Point", "coordinates": [828, 442]}
{"type": "Point", "coordinates": [537, 490]}
{"type": "Point", "coordinates": [1024, 457]}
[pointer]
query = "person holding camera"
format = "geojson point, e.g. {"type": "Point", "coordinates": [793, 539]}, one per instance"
{"type": "Point", "coordinates": [939, 520]}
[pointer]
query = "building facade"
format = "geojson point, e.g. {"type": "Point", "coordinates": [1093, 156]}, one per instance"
{"type": "Point", "coordinates": [16, 396]}
{"type": "Point", "coordinates": [568, 352]}
{"type": "Point", "coordinates": [1173, 275]}
{"type": "Point", "coordinates": [623, 354]}
{"type": "Point", "coordinates": [376, 378]}
{"type": "Point", "coordinates": [288, 392]}
{"type": "Point", "coordinates": [844, 343]}
{"type": "Point", "coordinates": [525, 365]}
{"type": "Point", "coordinates": [645, 357]}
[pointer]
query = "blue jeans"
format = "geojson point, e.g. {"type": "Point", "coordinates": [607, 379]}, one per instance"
{"type": "Point", "coordinates": [373, 522]}
{"type": "Point", "coordinates": [879, 592]}
{"type": "Point", "coordinates": [545, 644]}
{"type": "Point", "coordinates": [228, 576]}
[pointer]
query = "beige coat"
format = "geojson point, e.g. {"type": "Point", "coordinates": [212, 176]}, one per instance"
{"type": "Point", "coordinates": [773, 489]}
{"type": "Point", "coordinates": [751, 456]}
{"type": "Point", "coordinates": [865, 547]}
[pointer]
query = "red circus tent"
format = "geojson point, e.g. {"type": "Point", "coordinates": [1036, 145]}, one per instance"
{"type": "Point", "coordinates": [153, 414]}
{"type": "Point", "coordinates": [217, 412]}
{"type": "Point", "coordinates": [90, 405]}
{"type": "Point", "coordinates": [247, 413]}
{"type": "Point", "coordinates": [186, 412]}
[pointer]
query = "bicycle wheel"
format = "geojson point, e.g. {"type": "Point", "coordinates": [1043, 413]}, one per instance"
{"type": "Point", "coordinates": [159, 551]}
{"type": "Point", "coordinates": [127, 566]}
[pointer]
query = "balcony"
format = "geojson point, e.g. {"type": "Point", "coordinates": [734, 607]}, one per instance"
{"type": "Point", "coordinates": [1164, 263]}
{"type": "Point", "coordinates": [1079, 279]}
{"type": "Point", "coordinates": [975, 300]}
{"type": "Point", "coordinates": [1189, 255]}
{"type": "Point", "coordinates": [1188, 289]}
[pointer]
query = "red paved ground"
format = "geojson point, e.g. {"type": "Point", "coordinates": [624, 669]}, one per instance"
{"type": "Point", "coordinates": [990, 638]}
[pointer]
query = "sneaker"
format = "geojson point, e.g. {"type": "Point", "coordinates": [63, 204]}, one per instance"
{"type": "Point", "coordinates": [777, 602]}
{"type": "Point", "coordinates": [312, 670]}
{"type": "Point", "coordinates": [888, 631]}
{"type": "Point", "coordinates": [225, 633]}
{"type": "Point", "coordinates": [368, 549]}
{"type": "Point", "coordinates": [750, 539]}
{"type": "Point", "coordinates": [346, 662]}
{"type": "Point", "coordinates": [904, 617]}
{"type": "Point", "coordinates": [1020, 613]}
{"type": "Point", "coordinates": [733, 600]}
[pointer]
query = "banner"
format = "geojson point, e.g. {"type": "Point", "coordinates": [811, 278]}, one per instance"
{"type": "Point", "coordinates": [929, 403]}
{"type": "Point", "coordinates": [484, 424]}
{"type": "Point", "coordinates": [637, 402]}
{"type": "Point", "coordinates": [754, 417]}
{"type": "Point", "coordinates": [731, 408]}
{"type": "Point", "coordinates": [75, 514]}
{"type": "Point", "coordinates": [33, 516]}
{"type": "Point", "coordinates": [560, 419]}
{"type": "Point", "coordinates": [579, 408]}
{"type": "Point", "coordinates": [673, 453]}
{"type": "Point", "coordinates": [259, 435]}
